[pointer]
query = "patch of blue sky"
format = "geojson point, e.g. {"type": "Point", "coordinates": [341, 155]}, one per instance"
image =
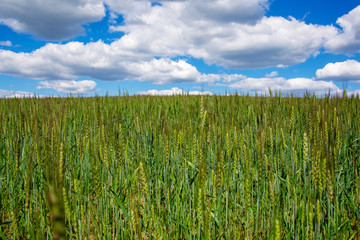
{"type": "Point", "coordinates": [100, 31]}
{"type": "Point", "coordinates": [20, 42]}
{"type": "Point", "coordinates": [17, 84]}
{"type": "Point", "coordinates": [154, 4]}
{"type": "Point", "coordinates": [323, 12]}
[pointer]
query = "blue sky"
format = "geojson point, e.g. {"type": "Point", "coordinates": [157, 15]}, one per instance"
{"type": "Point", "coordinates": [94, 47]}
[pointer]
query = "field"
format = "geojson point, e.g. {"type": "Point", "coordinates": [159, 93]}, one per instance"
{"type": "Point", "coordinates": [180, 167]}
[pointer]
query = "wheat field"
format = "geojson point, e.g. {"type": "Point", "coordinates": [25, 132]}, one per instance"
{"type": "Point", "coordinates": [180, 167]}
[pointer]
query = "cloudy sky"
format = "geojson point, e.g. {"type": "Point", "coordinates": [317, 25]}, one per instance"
{"type": "Point", "coordinates": [94, 47]}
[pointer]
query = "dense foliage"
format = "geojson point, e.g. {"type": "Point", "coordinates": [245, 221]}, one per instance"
{"type": "Point", "coordinates": [180, 167]}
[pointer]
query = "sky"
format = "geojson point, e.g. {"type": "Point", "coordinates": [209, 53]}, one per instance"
{"type": "Point", "coordinates": [165, 47]}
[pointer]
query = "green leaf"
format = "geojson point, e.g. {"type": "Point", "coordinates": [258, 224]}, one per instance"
{"type": "Point", "coordinates": [120, 204]}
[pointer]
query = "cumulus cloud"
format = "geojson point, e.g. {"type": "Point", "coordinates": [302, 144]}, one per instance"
{"type": "Point", "coordinates": [294, 85]}
{"type": "Point", "coordinates": [164, 70]}
{"type": "Point", "coordinates": [172, 91]}
{"type": "Point", "coordinates": [50, 19]}
{"type": "Point", "coordinates": [15, 94]}
{"type": "Point", "coordinates": [241, 11]}
{"type": "Point", "coordinates": [340, 71]}
{"type": "Point", "coordinates": [82, 87]}
{"type": "Point", "coordinates": [227, 11]}
{"type": "Point", "coordinates": [6, 43]}
{"type": "Point", "coordinates": [173, 29]}
{"type": "Point", "coordinates": [347, 39]}
{"type": "Point", "coordinates": [273, 41]}
{"type": "Point", "coordinates": [96, 60]}
{"type": "Point", "coordinates": [101, 61]}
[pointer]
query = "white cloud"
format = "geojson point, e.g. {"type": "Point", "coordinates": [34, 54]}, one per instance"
{"type": "Point", "coordinates": [347, 40]}
{"type": "Point", "coordinates": [6, 43]}
{"type": "Point", "coordinates": [164, 70]}
{"type": "Point", "coordinates": [226, 78]}
{"type": "Point", "coordinates": [172, 91]}
{"type": "Point", "coordinates": [17, 94]}
{"type": "Point", "coordinates": [175, 29]}
{"type": "Point", "coordinates": [101, 61]}
{"type": "Point", "coordinates": [340, 71]}
{"type": "Point", "coordinates": [294, 85]}
{"type": "Point", "coordinates": [82, 87]}
{"type": "Point", "coordinates": [273, 41]}
{"type": "Point", "coordinates": [96, 60]}
{"type": "Point", "coordinates": [241, 11]}
{"type": "Point", "coordinates": [227, 11]}
{"type": "Point", "coordinates": [272, 74]}
{"type": "Point", "coordinates": [67, 62]}
{"type": "Point", "coordinates": [50, 19]}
